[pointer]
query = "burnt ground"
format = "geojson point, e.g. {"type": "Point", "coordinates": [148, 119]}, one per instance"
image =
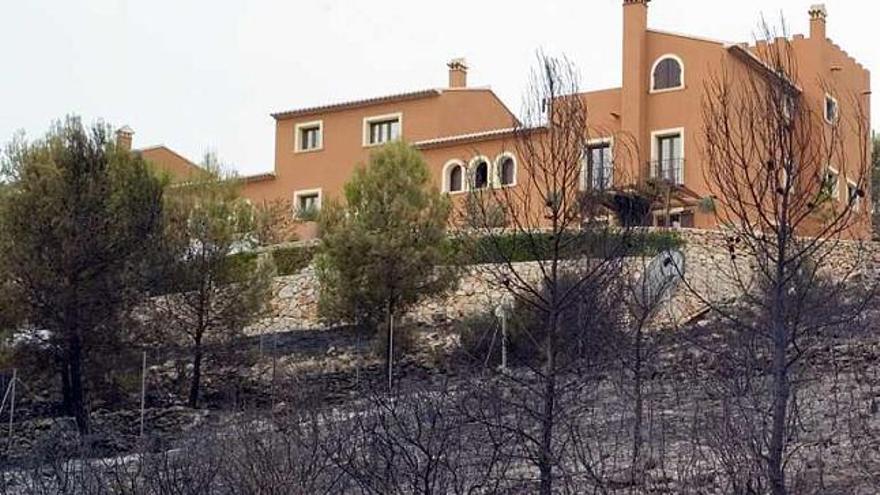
{"type": "Point", "coordinates": [686, 390]}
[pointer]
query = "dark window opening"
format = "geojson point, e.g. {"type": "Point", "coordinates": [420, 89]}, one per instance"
{"type": "Point", "coordinates": [670, 161]}
{"type": "Point", "coordinates": [507, 172]}
{"type": "Point", "coordinates": [456, 176]}
{"type": "Point", "coordinates": [481, 175]}
{"type": "Point", "coordinates": [384, 131]}
{"type": "Point", "coordinates": [679, 220]}
{"type": "Point", "coordinates": [667, 74]}
{"type": "Point", "coordinates": [310, 138]}
{"type": "Point", "coordinates": [600, 167]}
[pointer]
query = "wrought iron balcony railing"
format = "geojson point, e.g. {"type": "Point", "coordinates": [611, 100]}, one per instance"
{"type": "Point", "coordinates": [669, 170]}
{"type": "Point", "coordinates": [599, 178]}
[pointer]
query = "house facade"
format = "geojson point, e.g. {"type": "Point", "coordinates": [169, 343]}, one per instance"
{"type": "Point", "coordinates": [164, 160]}
{"type": "Point", "coordinates": [464, 132]}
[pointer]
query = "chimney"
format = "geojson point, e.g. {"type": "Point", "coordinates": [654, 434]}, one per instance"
{"type": "Point", "coordinates": [635, 80]}
{"type": "Point", "coordinates": [818, 14]}
{"type": "Point", "coordinates": [457, 73]}
{"type": "Point", "coordinates": [123, 138]}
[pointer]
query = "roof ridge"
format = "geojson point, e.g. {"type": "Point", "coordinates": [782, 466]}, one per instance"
{"type": "Point", "coordinates": [751, 58]}
{"type": "Point", "coordinates": [358, 103]}
{"type": "Point", "coordinates": [689, 36]}
{"type": "Point", "coordinates": [170, 150]}
{"type": "Point", "coordinates": [455, 138]}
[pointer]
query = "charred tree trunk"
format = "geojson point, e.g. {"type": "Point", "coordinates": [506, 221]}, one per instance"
{"type": "Point", "coordinates": [77, 391]}
{"type": "Point", "coordinates": [638, 406]}
{"type": "Point", "coordinates": [548, 411]}
{"type": "Point", "coordinates": [781, 393]}
{"type": "Point", "coordinates": [66, 399]}
{"type": "Point", "coordinates": [389, 346]}
{"type": "Point", "coordinates": [195, 384]}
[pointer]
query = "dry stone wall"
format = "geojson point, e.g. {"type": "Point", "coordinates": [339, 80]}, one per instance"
{"type": "Point", "coordinates": [295, 299]}
{"type": "Point", "coordinates": [710, 268]}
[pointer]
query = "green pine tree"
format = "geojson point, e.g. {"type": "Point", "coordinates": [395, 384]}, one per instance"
{"type": "Point", "coordinates": [386, 246]}
{"type": "Point", "coordinates": [78, 219]}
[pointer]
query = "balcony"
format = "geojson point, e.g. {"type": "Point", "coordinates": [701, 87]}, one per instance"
{"type": "Point", "coordinates": [670, 170]}
{"type": "Point", "coordinates": [599, 178]}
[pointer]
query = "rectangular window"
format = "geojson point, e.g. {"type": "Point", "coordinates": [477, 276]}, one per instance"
{"type": "Point", "coordinates": [379, 130]}
{"type": "Point", "coordinates": [677, 220]}
{"type": "Point", "coordinates": [831, 109]}
{"type": "Point", "coordinates": [309, 136]}
{"type": "Point", "coordinates": [669, 158]}
{"type": "Point", "coordinates": [853, 195]}
{"type": "Point", "coordinates": [831, 184]}
{"type": "Point", "coordinates": [599, 166]}
{"type": "Point", "coordinates": [307, 204]}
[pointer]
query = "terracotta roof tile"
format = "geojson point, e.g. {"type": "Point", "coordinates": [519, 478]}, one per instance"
{"type": "Point", "coordinates": [414, 95]}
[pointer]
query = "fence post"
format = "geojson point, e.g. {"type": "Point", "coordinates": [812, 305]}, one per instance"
{"type": "Point", "coordinates": [12, 403]}
{"type": "Point", "coordinates": [143, 389]}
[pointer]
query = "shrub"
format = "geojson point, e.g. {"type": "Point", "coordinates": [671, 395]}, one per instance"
{"type": "Point", "coordinates": [518, 247]}
{"type": "Point", "coordinates": [588, 329]}
{"type": "Point", "coordinates": [291, 259]}
{"type": "Point", "coordinates": [308, 214]}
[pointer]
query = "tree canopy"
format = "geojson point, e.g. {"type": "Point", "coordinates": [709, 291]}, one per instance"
{"type": "Point", "coordinates": [216, 284]}
{"type": "Point", "coordinates": [79, 218]}
{"type": "Point", "coordinates": [386, 246]}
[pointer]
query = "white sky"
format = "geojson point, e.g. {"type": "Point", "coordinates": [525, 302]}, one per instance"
{"type": "Point", "coordinates": [205, 74]}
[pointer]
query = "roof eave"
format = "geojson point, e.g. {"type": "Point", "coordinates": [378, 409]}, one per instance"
{"type": "Point", "coordinates": [753, 61]}
{"type": "Point", "coordinates": [366, 102]}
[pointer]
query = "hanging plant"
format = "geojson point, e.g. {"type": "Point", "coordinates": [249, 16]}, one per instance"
{"type": "Point", "coordinates": [706, 204]}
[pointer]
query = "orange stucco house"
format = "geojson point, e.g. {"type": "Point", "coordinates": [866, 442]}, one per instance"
{"type": "Point", "coordinates": [163, 159]}
{"type": "Point", "coordinates": [464, 132]}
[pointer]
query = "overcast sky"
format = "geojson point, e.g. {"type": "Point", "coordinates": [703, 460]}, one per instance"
{"type": "Point", "coordinates": [198, 75]}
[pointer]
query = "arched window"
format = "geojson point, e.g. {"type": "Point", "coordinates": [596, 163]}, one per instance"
{"type": "Point", "coordinates": [505, 170]}
{"type": "Point", "coordinates": [456, 179]}
{"type": "Point", "coordinates": [480, 167]}
{"type": "Point", "coordinates": [453, 177]}
{"type": "Point", "coordinates": [668, 73]}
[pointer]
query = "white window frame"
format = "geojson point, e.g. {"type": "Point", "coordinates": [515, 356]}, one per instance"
{"type": "Point", "coordinates": [825, 109]}
{"type": "Point", "coordinates": [586, 159]}
{"type": "Point", "coordinates": [380, 118]}
{"type": "Point", "coordinates": [664, 133]}
{"type": "Point", "coordinates": [661, 58]}
{"type": "Point", "coordinates": [472, 173]}
{"type": "Point", "coordinates": [857, 203]}
{"type": "Point", "coordinates": [835, 192]}
{"type": "Point", "coordinates": [297, 136]}
{"type": "Point", "coordinates": [496, 175]}
{"type": "Point", "coordinates": [306, 192]}
{"type": "Point", "coordinates": [464, 176]}
{"type": "Point", "coordinates": [785, 178]}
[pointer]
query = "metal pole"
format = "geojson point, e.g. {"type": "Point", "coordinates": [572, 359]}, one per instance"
{"type": "Point", "coordinates": [504, 341]}
{"type": "Point", "coordinates": [12, 402]}
{"type": "Point", "coordinates": [274, 365]}
{"type": "Point", "coordinates": [143, 388]}
{"type": "Point", "coordinates": [357, 370]}
{"type": "Point", "coordinates": [390, 351]}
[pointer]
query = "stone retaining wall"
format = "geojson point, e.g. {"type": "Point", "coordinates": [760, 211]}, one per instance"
{"type": "Point", "coordinates": [710, 265]}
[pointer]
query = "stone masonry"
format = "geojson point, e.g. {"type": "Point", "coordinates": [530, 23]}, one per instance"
{"type": "Point", "coordinates": [710, 266]}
